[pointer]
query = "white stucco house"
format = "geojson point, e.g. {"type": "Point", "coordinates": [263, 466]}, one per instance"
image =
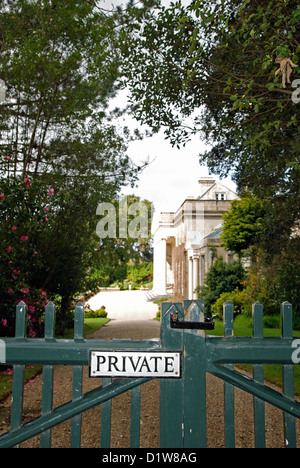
{"type": "Point", "coordinates": [186, 242]}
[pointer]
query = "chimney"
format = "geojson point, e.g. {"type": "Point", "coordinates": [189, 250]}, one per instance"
{"type": "Point", "coordinates": [205, 184]}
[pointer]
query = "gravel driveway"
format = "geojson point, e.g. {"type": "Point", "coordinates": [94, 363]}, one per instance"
{"type": "Point", "coordinates": [120, 436]}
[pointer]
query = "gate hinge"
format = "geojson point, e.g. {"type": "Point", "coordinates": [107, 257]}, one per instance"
{"type": "Point", "coordinates": [208, 323]}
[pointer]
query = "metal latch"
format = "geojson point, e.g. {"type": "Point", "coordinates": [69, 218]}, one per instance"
{"type": "Point", "coordinates": [208, 324]}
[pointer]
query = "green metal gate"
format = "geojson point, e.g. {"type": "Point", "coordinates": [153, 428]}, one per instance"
{"type": "Point", "coordinates": [183, 422]}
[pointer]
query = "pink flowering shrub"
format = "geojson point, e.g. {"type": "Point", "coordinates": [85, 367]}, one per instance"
{"type": "Point", "coordinates": [23, 205]}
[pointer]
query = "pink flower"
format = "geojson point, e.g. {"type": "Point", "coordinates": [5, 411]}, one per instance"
{"type": "Point", "coordinates": [27, 182]}
{"type": "Point", "coordinates": [32, 333]}
{"type": "Point", "coordinates": [31, 309]}
{"type": "Point", "coordinates": [9, 249]}
{"type": "Point", "coordinates": [24, 238]}
{"type": "Point", "coordinates": [4, 322]}
{"type": "Point", "coordinates": [35, 253]}
{"type": "Point", "coordinates": [14, 227]}
{"type": "Point", "coordinates": [51, 191]}
{"type": "Point", "coordinates": [22, 300]}
{"type": "Point", "coordinates": [7, 158]}
{"type": "Point", "coordinates": [10, 291]}
{"type": "Point", "coordinates": [16, 272]}
{"type": "Point", "coordinates": [1, 196]}
{"type": "Point", "coordinates": [25, 290]}
{"type": "Point", "coordinates": [46, 209]}
{"type": "Point", "coordinates": [46, 220]}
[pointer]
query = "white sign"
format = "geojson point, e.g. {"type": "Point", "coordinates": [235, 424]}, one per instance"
{"type": "Point", "coordinates": [134, 364]}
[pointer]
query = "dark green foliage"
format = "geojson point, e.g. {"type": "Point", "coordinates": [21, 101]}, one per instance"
{"type": "Point", "coordinates": [243, 224]}
{"type": "Point", "coordinates": [208, 68]}
{"type": "Point", "coordinates": [100, 313]}
{"type": "Point", "coordinates": [140, 273]}
{"type": "Point", "coordinates": [60, 68]}
{"type": "Point", "coordinates": [222, 277]}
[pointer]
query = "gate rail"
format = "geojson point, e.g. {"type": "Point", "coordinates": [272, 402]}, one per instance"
{"type": "Point", "coordinates": [183, 401]}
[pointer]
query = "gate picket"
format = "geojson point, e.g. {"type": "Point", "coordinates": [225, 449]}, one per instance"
{"type": "Point", "coordinates": [258, 377]}
{"type": "Point", "coordinates": [135, 417]}
{"type": "Point", "coordinates": [106, 418]}
{"type": "Point", "coordinates": [77, 378]}
{"type": "Point", "coordinates": [47, 389]}
{"type": "Point", "coordinates": [18, 373]}
{"type": "Point", "coordinates": [194, 378]}
{"type": "Point", "coordinates": [171, 390]}
{"type": "Point", "coordinates": [288, 377]}
{"type": "Point", "coordinates": [229, 388]}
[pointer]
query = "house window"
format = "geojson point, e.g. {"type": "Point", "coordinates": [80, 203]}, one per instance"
{"type": "Point", "coordinates": [220, 196]}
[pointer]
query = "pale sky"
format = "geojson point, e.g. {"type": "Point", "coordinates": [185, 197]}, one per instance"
{"type": "Point", "coordinates": [173, 175]}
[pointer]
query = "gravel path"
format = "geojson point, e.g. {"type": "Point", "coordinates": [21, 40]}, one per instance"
{"type": "Point", "coordinates": [120, 436]}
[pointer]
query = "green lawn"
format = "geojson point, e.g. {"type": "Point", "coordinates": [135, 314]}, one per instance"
{"type": "Point", "coordinates": [90, 325]}
{"type": "Point", "coordinates": [272, 372]}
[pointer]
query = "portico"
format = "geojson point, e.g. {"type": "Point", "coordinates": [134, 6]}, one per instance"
{"type": "Point", "coordinates": [187, 241]}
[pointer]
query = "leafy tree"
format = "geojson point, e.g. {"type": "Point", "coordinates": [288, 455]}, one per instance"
{"type": "Point", "coordinates": [222, 277]}
{"type": "Point", "coordinates": [208, 68]}
{"type": "Point", "coordinates": [236, 297]}
{"type": "Point", "coordinates": [60, 67]}
{"type": "Point", "coordinates": [243, 224]}
{"type": "Point", "coordinates": [140, 273]}
{"type": "Point", "coordinates": [25, 214]}
{"type": "Point", "coordinates": [131, 240]}
{"type": "Point", "coordinates": [281, 272]}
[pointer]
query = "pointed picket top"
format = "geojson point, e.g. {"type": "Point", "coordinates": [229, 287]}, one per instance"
{"type": "Point", "coordinates": [228, 319]}
{"type": "Point", "coordinates": [257, 320]}
{"type": "Point", "coordinates": [49, 320]}
{"type": "Point", "coordinates": [194, 310]}
{"type": "Point", "coordinates": [78, 321]}
{"type": "Point", "coordinates": [20, 320]}
{"type": "Point", "coordinates": [286, 320]}
{"type": "Point", "coordinates": [169, 308]}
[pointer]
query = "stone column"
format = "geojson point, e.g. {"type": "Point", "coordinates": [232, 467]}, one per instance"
{"type": "Point", "coordinates": [190, 281]}
{"type": "Point", "coordinates": [164, 264]}
{"type": "Point", "coordinates": [195, 275]}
